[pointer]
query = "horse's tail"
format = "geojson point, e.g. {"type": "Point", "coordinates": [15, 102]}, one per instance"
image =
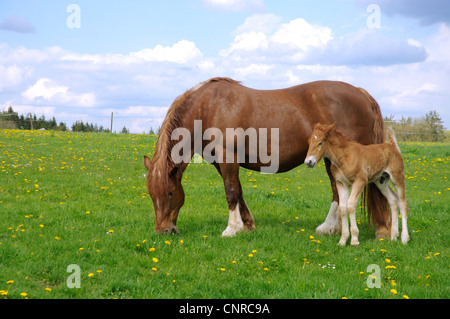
{"type": "Point", "coordinates": [377, 205]}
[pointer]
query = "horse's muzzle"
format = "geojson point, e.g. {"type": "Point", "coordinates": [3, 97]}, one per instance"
{"type": "Point", "coordinates": [168, 230]}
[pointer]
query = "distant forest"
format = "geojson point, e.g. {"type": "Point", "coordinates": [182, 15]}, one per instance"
{"type": "Point", "coordinates": [426, 128]}
{"type": "Point", "coordinates": [12, 120]}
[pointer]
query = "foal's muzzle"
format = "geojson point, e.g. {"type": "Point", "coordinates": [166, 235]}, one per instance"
{"type": "Point", "coordinates": [310, 161]}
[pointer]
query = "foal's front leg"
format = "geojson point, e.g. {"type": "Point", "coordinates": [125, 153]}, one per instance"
{"type": "Point", "coordinates": [357, 188]}
{"type": "Point", "coordinates": [343, 191]}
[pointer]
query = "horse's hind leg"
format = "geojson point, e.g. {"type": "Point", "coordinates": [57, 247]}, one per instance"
{"type": "Point", "coordinates": [240, 217]}
{"type": "Point", "coordinates": [383, 185]}
{"type": "Point", "coordinates": [332, 224]}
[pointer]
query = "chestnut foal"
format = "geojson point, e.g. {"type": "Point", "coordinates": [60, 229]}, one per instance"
{"type": "Point", "coordinates": [355, 165]}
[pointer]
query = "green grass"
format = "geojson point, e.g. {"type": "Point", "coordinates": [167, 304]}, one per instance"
{"type": "Point", "coordinates": [79, 198]}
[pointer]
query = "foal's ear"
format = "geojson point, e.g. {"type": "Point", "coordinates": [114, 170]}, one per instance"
{"type": "Point", "coordinates": [330, 128]}
{"type": "Point", "coordinates": [147, 162]}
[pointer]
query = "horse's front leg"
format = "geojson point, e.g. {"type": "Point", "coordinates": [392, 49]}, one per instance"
{"type": "Point", "coordinates": [332, 224]}
{"type": "Point", "coordinates": [239, 218]}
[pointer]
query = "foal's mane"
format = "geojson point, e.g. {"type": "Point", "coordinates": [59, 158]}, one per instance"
{"type": "Point", "coordinates": [162, 156]}
{"type": "Point", "coordinates": [339, 135]}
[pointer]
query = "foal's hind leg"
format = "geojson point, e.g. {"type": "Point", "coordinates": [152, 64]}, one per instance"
{"type": "Point", "coordinates": [399, 182]}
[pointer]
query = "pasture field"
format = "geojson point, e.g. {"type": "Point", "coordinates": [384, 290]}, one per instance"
{"type": "Point", "coordinates": [80, 198]}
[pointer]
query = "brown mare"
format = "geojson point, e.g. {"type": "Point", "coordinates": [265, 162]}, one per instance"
{"type": "Point", "coordinates": [223, 103]}
{"type": "Point", "coordinates": [355, 165]}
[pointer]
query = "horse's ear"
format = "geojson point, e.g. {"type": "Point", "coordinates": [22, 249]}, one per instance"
{"type": "Point", "coordinates": [173, 171]}
{"type": "Point", "coordinates": [147, 162]}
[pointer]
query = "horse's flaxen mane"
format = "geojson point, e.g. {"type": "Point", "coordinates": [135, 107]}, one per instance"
{"type": "Point", "coordinates": [162, 154]}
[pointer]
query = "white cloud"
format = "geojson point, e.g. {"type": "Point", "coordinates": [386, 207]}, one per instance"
{"type": "Point", "coordinates": [259, 23]}
{"type": "Point", "coordinates": [47, 91]}
{"type": "Point", "coordinates": [181, 52]}
{"type": "Point", "coordinates": [302, 35]}
{"type": "Point", "coordinates": [12, 76]}
{"type": "Point", "coordinates": [252, 70]}
{"type": "Point", "coordinates": [236, 5]}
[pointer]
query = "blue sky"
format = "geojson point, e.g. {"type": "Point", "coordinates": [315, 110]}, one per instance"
{"type": "Point", "coordinates": [134, 58]}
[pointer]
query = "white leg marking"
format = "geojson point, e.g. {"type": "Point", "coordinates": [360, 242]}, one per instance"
{"type": "Point", "coordinates": [332, 224]}
{"type": "Point", "coordinates": [235, 223]}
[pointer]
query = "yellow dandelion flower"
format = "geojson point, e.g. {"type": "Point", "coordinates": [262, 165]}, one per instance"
{"type": "Point", "coordinates": [222, 269]}
{"type": "Point", "coordinates": [405, 297]}
{"type": "Point", "coordinates": [390, 267]}
{"type": "Point", "coordinates": [23, 294]}
{"type": "Point", "coordinates": [48, 289]}
{"type": "Point", "coordinates": [90, 275]}
{"type": "Point", "coordinates": [155, 260]}
{"type": "Point", "coordinates": [387, 260]}
{"type": "Point", "coordinates": [9, 282]}
{"type": "Point", "coordinates": [152, 249]}
{"type": "Point", "coordinates": [393, 291]}
{"type": "Point", "coordinates": [250, 255]}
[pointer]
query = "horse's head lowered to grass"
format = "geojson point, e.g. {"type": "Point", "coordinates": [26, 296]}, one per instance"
{"type": "Point", "coordinates": [166, 191]}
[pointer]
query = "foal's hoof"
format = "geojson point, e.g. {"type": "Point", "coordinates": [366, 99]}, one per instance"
{"type": "Point", "coordinates": [405, 239]}
{"type": "Point", "coordinates": [354, 243]}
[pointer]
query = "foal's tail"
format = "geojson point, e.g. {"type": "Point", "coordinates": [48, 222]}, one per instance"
{"type": "Point", "coordinates": [376, 203]}
{"type": "Point", "coordinates": [392, 139]}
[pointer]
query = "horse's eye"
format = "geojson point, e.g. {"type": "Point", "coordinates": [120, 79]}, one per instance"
{"type": "Point", "coordinates": [320, 144]}
{"type": "Point", "coordinates": [170, 194]}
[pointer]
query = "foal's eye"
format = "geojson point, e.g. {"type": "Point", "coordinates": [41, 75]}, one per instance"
{"type": "Point", "coordinates": [320, 144]}
{"type": "Point", "coordinates": [170, 194]}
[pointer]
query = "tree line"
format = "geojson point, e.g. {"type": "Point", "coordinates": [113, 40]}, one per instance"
{"type": "Point", "coordinates": [10, 119]}
{"type": "Point", "coordinates": [428, 128]}
{"type": "Point", "coordinates": [423, 129]}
